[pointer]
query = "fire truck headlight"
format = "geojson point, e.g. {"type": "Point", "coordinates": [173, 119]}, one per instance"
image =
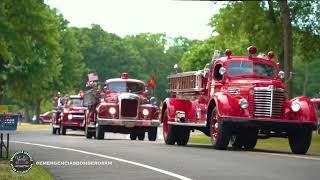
{"type": "Point", "coordinates": [70, 116]}
{"type": "Point", "coordinates": [243, 103]}
{"type": "Point", "coordinates": [145, 112]}
{"type": "Point", "coordinates": [112, 110]}
{"type": "Point", "coordinates": [295, 106]}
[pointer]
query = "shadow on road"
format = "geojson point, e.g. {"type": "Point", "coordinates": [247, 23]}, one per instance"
{"type": "Point", "coordinates": [254, 150]}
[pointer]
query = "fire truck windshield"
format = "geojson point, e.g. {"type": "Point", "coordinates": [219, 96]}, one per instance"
{"type": "Point", "coordinates": [132, 87]}
{"type": "Point", "coordinates": [249, 68]}
{"type": "Point", "coordinates": [75, 102]}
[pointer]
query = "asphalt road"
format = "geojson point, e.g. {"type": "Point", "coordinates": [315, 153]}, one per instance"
{"type": "Point", "coordinates": [141, 160]}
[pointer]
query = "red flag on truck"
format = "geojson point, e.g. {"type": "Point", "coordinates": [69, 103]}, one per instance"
{"type": "Point", "coordinates": [152, 81]}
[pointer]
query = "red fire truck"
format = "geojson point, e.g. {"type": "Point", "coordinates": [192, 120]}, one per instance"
{"type": "Point", "coordinates": [120, 105]}
{"type": "Point", "coordinates": [70, 115]}
{"type": "Point", "coordinates": [236, 99]}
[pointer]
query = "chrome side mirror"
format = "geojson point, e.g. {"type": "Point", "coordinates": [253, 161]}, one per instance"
{"type": "Point", "coordinates": [281, 75]}
{"type": "Point", "coordinates": [153, 100]}
{"type": "Point", "coordinates": [222, 71]}
{"type": "Point", "coordinates": [176, 67]}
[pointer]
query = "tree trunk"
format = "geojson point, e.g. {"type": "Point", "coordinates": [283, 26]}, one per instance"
{"type": "Point", "coordinates": [26, 112]}
{"type": "Point", "coordinates": [306, 79]}
{"type": "Point", "coordinates": [272, 17]}
{"type": "Point", "coordinates": [37, 110]}
{"type": "Point", "coordinates": [2, 82]}
{"type": "Point", "coordinates": [1, 94]}
{"type": "Point", "coordinates": [288, 45]}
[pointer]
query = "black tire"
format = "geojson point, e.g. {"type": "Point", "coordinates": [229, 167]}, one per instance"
{"type": "Point", "coordinates": [237, 141]}
{"type": "Point", "coordinates": [224, 134]}
{"type": "Point", "coordinates": [63, 130]}
{"type": "Point", "coordinates": [246, 138]}
{"type": "Point", "coordinates": [99, 132]}
{"type": "Point", "coordinates": [152, 133]}
{"type": "Point", "coordinates": [54, 130]}
{"type": "Point", "coordinates": [170, 139]}
{"type": "Point", "coordinates": [300, 140]}
{"type": "Point", "coordinates": [88, 133]}
{"type": "Point", "coordinates": [251, 137]}
{"type": "Point", "coordinates": [141, 136]}
{"type": "Point", "coordinates": [133, 136]}
{"type": "Point", "coordinates": [183, 136]}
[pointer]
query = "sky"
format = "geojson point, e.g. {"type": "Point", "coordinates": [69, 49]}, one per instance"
{"type": "Point", "coordinates": [129, 17]}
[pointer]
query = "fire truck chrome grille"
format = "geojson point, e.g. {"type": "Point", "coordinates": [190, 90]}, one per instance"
{"type": "Point", "coordinates": [268, 102]}
{"type": "Point", "coordinates": [129, 108]}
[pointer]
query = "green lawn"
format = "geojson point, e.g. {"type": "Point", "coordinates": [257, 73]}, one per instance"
{"type": "Point", "coordinates": [29, 126]}
{"type": "Point", "coordinates": [36, 173]}
{"type": "Point", "coordinates": [272, 143]}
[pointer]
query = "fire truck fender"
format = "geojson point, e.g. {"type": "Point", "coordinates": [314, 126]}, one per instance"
{"type": "Point", "coordinates": [307, 112]}
{"type": "Point", "coordinates": [172, 105]}
{"type": "Point", "coordinates": [225, 105]}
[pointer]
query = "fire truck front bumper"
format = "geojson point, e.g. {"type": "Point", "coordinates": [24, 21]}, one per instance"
{"type": "Point", "coordinates": [269, 124]}
{"type": "Point", "coordinates": [129, 122]}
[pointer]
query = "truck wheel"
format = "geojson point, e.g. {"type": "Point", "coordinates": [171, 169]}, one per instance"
{"type": "Point", "coordinates": [99, 132]}
{"type": "Point", "coordinates": [88, 133]}
{"type": "Point", "coordinates": [251, 137]}
{"type": "Point", "coordinates": [168, 130]}
{"type": "Point", "coordinates": [141, 136]}
{"type": "Point", "coordinates": [63, 130]}
{"type": "Point", "coordinates": [220, 135]}
{"type": "Point", "coordinates": [183, 135]}
{"type": "Point", "coordinates": [300, 140]}
{"type": "Point", "coordinates": [152, 133]}
{"type": "Point", "coordinates": [54, 130]}
{"type": "Point", "coordinates": [237, 141]}
{"type": "Point", "coordinates": [133, 136]}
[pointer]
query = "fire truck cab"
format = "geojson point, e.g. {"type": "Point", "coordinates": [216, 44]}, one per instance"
{"type": "Point", "coordinates": [236, 99]}
{"type": "Point", "coordinates": [121, 106]}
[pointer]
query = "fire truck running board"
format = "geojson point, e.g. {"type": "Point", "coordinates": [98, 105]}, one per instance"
{"type": "Point", "coordinates": [187, 124]}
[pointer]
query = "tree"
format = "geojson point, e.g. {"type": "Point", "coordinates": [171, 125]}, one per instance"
{"type": "Point", "coordinates": [107, 54]}
{"type": "Point", "coordinates": [288, 44]}
{"type": "Point", "coordinates": [20, 42]}
{"type": "Point", "coordinates": [159, 54]}
{"type": "Point", "coordinates": [37, 53]}
{"type": "Point", "coordinates": [242, 24]}
{"type": "Point", "coordinates": [199, 55]}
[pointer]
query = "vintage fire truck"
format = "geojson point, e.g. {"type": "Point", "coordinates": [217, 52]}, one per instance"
{"type": "Point", "coordinates": [69, 115]}
{"type": "Point", "coordinates": [120, 105]}
{"type": "Point", "coordinates": [236, 100]}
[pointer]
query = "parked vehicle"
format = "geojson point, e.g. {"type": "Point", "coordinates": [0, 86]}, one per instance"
{"type": "Point", "coordinates": [46, 117]}
{"type": "Point", "coordinates": [237, 98]}
{"type": "Point", "coordinates": [120, 105]}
